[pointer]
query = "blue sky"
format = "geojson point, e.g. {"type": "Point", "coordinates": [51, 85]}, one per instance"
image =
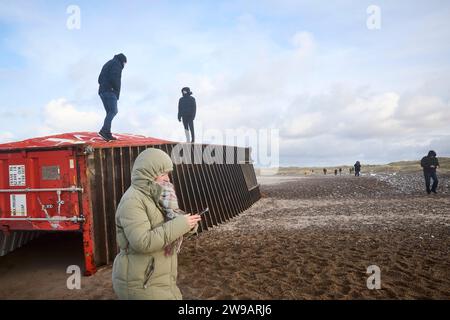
{"type": "Point", "coordinates": [334, 89]}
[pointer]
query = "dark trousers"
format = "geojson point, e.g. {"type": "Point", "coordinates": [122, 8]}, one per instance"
{"type": "Point", "coordinates": [188, 124]}
{"type": "Point", "coordinates": [356, 173]}
{"type": "Point", "coordinates": [109, 100]}
{"type": "Point", "coordinates": [428, 176]}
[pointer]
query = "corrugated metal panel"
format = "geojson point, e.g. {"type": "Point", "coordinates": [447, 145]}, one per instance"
{"type": "Point", "coordinates": [15, 239]}
{"type": "Point", "coordinates": [249, 175]}
{"type": "Point", "coordinates": [223, 188]}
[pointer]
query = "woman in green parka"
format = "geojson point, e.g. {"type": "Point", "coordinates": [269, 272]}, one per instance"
{"type": "Point", "coordinates": [149, 233]}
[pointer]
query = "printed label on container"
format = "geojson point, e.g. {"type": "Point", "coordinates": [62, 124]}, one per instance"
{"type": "Point", "coordinates": [17, 176]}
{"type": "Point", "coordinates": [18, 205]}
{"type": "Point", "coordinates": [50, 173]}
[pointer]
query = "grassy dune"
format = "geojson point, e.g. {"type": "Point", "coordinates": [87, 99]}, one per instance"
{"type": "Point", "coordinates": [399, 166]}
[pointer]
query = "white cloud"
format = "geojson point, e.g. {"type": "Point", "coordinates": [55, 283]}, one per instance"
{"type": "Point", "coordinates": [61, 116]}
{"type": "Point", "coordinates": [424, 112]}
{"type": "Point", "coordinates": [6, 136]}
{"type": "Point", "coordinates": [374, 127]}
{"type": "Point", "coordinates": [334, 93]}
{"type": "Point", "coordinates": [304, 42]}
{"type": "Point", "coordinates": [302, 125]}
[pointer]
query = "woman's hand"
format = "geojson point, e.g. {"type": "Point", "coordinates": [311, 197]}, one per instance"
{"type": "Point", "coordinates": [193, 220]}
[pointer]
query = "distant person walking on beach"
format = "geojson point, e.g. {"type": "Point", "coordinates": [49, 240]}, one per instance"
{"type": "Point", "coordinates": [186, 111]}
{"type": "Point", "coordinates": [350, 170]}
{"type": "Point", "coordinates": [429, 164]}
{"type": "Point", "coordinates": [340, 171]}
{"type": "Point", "coordinates": [324, 171]}
{"type": "Point", "coordinates": [109, 82]}
{"type": "Point", "coordinates": [335, 172]}
{"type": "Point", "coordinates": [357, 168]}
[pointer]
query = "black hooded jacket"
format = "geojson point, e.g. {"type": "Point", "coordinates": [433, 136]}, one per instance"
{"type": "Point", "coordinates": [187, 107]}
{"type": "Point", "coordinates": [110, 77]}
{"type": "Point", "coordinates": [429, 163]}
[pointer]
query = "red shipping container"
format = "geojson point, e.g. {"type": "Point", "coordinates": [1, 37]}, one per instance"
{"type": "Point", "coordinates": [74, 181]}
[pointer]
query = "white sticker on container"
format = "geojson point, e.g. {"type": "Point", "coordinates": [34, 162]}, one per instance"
{"type": "Point", "coordinates": [17, 175]}
{"type": "Point", "coordinates": [71, 164]}
{"type": "Point", "coordinates": [18, 205]}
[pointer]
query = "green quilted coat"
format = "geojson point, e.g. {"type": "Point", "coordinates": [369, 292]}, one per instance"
{"type": "Point", "coordinates": [141, 270]}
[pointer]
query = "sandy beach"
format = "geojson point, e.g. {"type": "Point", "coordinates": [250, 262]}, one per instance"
{"type": "Point", "coordinates": [308, 238]}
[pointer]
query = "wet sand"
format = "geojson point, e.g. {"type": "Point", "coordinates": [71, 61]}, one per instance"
{"type": "Point", "coordinates": [314, 238]}
{"type": "Point", "coordinates": [308, 238]}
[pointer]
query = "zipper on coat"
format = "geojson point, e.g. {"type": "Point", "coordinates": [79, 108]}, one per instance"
{"type": "Point", "coordinates": [149, 272]}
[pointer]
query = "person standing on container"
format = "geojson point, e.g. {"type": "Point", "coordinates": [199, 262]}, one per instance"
{"type": "Point", "coordinates": [187, 109]}
{"type": "Point", "coordinates": [429, 164]}
{"type": "Point", "coordinates": [149, 231]}
{"type": "Point", "coordinates": [109, 81]}
{"type": "Point", "coordinates": [357, 167]}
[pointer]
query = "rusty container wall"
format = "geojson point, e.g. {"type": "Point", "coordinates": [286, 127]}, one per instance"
{"type": "Point", "coordinates": [226, 188]}
{"type": "Point", "coordinates": [46, 187]}
{"type": "Point", "coordinates": [36, 185]}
